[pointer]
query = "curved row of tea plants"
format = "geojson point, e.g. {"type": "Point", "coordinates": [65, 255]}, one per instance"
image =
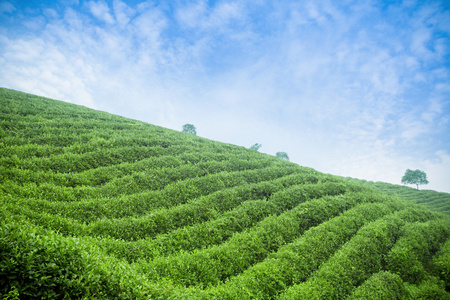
{"type": "Point", "coordinates": [97, 206]}
{"type": "Point", "coordinates": [433, 200]}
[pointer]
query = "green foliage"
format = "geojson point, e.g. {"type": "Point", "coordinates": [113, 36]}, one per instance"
{"type": "Point", "coordinates": [96, 206]}
{"type": "Point", "coordinates": [440, 264]}
{"type": "Point", "coordinates": [215, 264]}
{"type": "Point", "coordinates": [354, 263]}
{"type": "Point", "coordinates": [412, 252]}
{"type": "Point", "coordinates": [13, 294]}
{"type": "Point", "coordinates": [416, 177]}
{"type": "Point", "coordinates": [282, 155]}
{"type": "Point", "coordinates": [428, 289]}
{"type": "Point", "coordinates": [189, 128]}
{"type": "Point", "coordinates": [295, 262]}
{"type": "Point", "coordinates": [431, 199]}
{"type": "Point", "coordinates": [380, 286]}
{"type": "Point", "coordinates": [256, 146]}
{"type": "Point", "coordinates": [35, 265]}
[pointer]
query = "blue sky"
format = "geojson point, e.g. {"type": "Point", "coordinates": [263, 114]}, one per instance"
{"type": "Point", "coordinates": [351, 88]}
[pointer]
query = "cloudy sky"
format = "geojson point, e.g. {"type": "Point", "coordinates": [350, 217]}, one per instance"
{"type": "Point", "coordinates": [351, 88]}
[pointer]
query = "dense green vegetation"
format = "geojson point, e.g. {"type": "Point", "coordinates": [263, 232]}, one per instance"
{"type": "Point", "coordinates": [433, 200]}
{"type": "Point", "coordinates": [98, 206]}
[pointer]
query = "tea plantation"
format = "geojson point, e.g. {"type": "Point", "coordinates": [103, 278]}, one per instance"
{"type": "Point", "coordinates": [97, 206]}
{"type": "Point", "coordinates": [433, 200]}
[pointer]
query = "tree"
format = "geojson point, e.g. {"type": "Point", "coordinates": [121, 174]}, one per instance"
{"type": "Point", "coordinates": [415, 177]}
{"type": "Point", "coordinates": [189, 128]}
{"type": "Point", "coordinates": [282, 155]}
{"type": "Point", "coordinates": [256, 146]}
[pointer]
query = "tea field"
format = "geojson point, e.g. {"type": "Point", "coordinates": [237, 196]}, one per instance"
{"type": "Point", "coordinates": [433, 200]}
{"type": "Point", "coordinates": [98, 206]}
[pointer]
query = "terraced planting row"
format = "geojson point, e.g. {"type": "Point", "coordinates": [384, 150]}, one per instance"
{"type": "Point", "coordinates": [101, 207]}
{"type": "Point", "coordinates": [433, 200]}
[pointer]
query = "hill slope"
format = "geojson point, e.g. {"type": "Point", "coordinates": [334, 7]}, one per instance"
{"type": "Point", "coordinates": [98, 206]}
{"type": "Point", "coordinates": [431, 199]}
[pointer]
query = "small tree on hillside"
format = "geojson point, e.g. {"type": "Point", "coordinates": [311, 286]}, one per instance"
{"type": "Point", "coordinates": [256, 146]}
{"type": "Point", "coordinates": [189, 128]}
{"type": "Point", "coordinates": [282, 155]}
{"type": "Point", "coordinates": [415, 177]}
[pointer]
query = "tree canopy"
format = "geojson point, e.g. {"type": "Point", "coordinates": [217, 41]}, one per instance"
{"type": "Point", "coordinates": [189, 128]}
{"type": "Point", "coordinates": [256, 146]}
{"type": "Point", "coordinates": [282, 155]}
{"type": "Point", "coordinates": [415, 177]}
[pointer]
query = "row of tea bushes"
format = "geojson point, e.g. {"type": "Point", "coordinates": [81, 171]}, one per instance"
{"type": "Point", "coordinates": [215, 264]}
{"type": "Point", "coordinates": [40, 264]}
{"type": "Point", "coordinates": [412, 253]}
{"type": "Point", "coordinates": [102, 202]}
{"type": "Point", "coordinates": [294, 262]}
{"type": "Point", "coordinates": [164, 219]}
{"type": "Point", "coordinates": [366, 254]}
{"type": "Point", "coordinates": [386, 285]}
{"type": "Point", "coordinates": [29, 184]}
{"type": "Point", "coordinates": [198, 210]}
{"type": "Point", "coordinates": [433, 200]}
{"type": "Point", "coordinates": [218, 230]}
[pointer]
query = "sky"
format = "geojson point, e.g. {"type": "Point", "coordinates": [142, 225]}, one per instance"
{"type": "Point", "coordinates": [351, 88]}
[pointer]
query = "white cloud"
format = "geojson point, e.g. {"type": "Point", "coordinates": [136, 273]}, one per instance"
{"type": "Point", "coordinates": [226, 12]}
{"type": "Point", "coordinates": [220, 16]}
{"type": "Point", "coordinates": [100, 10]}
{"type": "Point", "coordinates": [40, 67]}
{"type": "Point", "coordinates": [24, 50]}
{"type": "Point", "coordinates": [148, 26]}
{"type": "Point", "coordinates": [123, 12]}
{"type": "Point", "coordinates": [51, 13]}
{"type": "Point", "coordinates": [433, 111]}
{"type": "Point", "coordinates": [191, 15]}
{"type": "Point", "coordinates": [73, 19]}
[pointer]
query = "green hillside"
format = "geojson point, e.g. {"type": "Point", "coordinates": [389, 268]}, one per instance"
{"type": "Point", "coordinates": [98, 206]}
{"type": "Point", "coordinates": [431, 199]}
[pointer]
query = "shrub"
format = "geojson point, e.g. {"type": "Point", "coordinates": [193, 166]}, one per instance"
{"type": "Point", "coordinates": [352, 264]}
{"type": "Point", "coordinates": [414, 249]}
{"type": "Point", "coordinates": [380, 286]}
{"type": "Point", "coordinates": [294, 262]}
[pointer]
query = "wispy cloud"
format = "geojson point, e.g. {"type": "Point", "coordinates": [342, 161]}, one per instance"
{"type": "Point", "coordinates": [101, 11]}
{"type": "Point", "coordinates": [201, 16]}
{"type": "Point", "coordinates": [123, 13]}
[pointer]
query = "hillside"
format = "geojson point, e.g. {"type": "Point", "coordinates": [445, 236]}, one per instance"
{"type": "Point", "coordinates": [433, 200]}
{"type": "Point", "coordinates": [98, 206]}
